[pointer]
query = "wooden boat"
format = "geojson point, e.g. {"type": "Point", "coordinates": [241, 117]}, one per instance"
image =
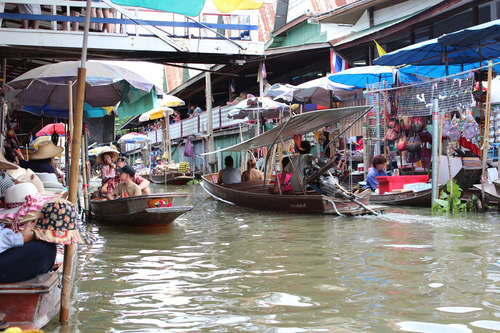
{"type": "Point", "coordinates": [144, 210]}
{"type": "Point", "coordinates": [31, 304]}
{"type": "Point", "coordinates": [406, 198]}
{"type": "Point", "coordinates": [257, 196]}
{"type": "Point", "coordinates": [175, 178]}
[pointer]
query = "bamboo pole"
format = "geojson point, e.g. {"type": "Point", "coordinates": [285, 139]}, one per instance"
{"type": "Point", "coordinates": [440, 152]}
{"type": "Point", "coordinates": [69, 250]}
{"type": "Point", "coordinates": [70, 108]}
{"type": "Point", "coordinates": [484, 152]}
{"type": "Point", "coordinates": [84, 178]}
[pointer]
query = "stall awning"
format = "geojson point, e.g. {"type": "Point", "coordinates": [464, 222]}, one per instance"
{"type": "Point", "coordinates": [299, 124]}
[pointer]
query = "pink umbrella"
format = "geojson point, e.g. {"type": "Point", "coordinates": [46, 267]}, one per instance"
{"type": "Point", "coordinates": [49, 129]}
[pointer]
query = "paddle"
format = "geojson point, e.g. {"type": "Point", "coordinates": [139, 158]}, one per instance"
{"type": "Point", "coordinates": [351, 196]}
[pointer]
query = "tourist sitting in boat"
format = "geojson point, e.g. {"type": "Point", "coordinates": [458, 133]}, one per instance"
{"type": "Point", "coordinates": [251, 173]}
{"type": "Point", "coordinates": [143, 183]}
{"type": "Point", "coordinates": [297, 166]}
{"type": "Point", "coordinates": [127, 188]}
{"type": "Point", "coordinates": [22, 257]}
{"type": "Point", "coordinates": [41, 161]}
{"type": "Point", "coordinates": [378, 170]}
{"type": "Point", "coordinates": [229, 175]}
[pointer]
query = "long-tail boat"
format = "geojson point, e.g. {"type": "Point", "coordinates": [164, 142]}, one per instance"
{"type": "Point", "coordinates": [31, 304]}
{"type": "Point", "coordinates": [172, 178]}
{"type": "Point", "coordinates": [144, 210]}
{"type": "Point", "coordinates": [262, 196]}
{"type": "Point", "coordinates": [404, 198]}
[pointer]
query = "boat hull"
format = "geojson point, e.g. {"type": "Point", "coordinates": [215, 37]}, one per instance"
{"type": "Point", "coordinates": [410, 198]}
{"type": "Point", "coordinates": [170, 180]}
{"type": "Point", "coordinates": [138, 211]}
{"type": "Point", "coordinates": [260, 198]}
{"type": "Point", "coordinates": [31, 304]}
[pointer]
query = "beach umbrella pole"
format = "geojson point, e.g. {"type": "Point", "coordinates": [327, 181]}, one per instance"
{"type": "Point", "coordinates": [69, 250]}
{"type": "Point", "coordinates": [435, 144]}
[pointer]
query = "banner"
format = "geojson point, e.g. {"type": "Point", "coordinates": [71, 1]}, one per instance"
{"type": "Point", "coordinates": [226, 6]}
{"type": "Point", "coordinates": [184, 7]}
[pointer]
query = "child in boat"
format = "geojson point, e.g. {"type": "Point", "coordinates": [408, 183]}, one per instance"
{"type": "Point", "coordinates": [127, 188]}
{"type": "Point", "coordinates": [376, 171]}
{"type": "Point", "coordinates": [143, 183]}
{"type": "Point", "coordinates": [229, 175]}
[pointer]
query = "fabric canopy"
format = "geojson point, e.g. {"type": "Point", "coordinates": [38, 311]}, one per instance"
{"type": "Point", "coordinates": [465, 46]}
{"type": "Point", "coordinates": [359, 77]}
{"type": "Point", "coordinates": [226, 6]}
{"type": "Point", "coordinates": [299, 124]}
{"type": "Point", "coordinates": [185, 7]}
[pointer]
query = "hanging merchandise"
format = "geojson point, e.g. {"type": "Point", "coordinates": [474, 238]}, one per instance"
{"type": "Point", "coordinates": [416, 124]}
{"type": "Point", "coordinates": [401, 144]}
{"type": "Point", "coordinates": [470, 129]}
{"type": "Point", "coordinates": [391, 135]}
{"type": "Point", "coordinates": [414, 144]}
{"type": "Point", "coordinates": [450, 130]}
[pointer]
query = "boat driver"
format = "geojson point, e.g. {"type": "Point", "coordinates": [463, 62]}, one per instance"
{"type": "Point", "coordinates": [127, 188]}
{"type": "Point", "coordinates": [378, 170]}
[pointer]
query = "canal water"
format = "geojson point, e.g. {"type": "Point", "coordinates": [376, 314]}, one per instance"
{"type": "Point", "coordinates": [227, 269]}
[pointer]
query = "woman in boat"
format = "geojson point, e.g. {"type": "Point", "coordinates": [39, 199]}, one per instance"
{"type": "Point", "coordinates": [378, 170]}
{"type": "Point", "coordinates": [229, 175]}
{"type": "Point", "coordinates": [22, 257]}
{"type": "Point", "coordinates": [297, 166]}
{"type": "Point", "coordinates": [251, 173]}
{"type": "Point", "coordinates": [41, 160]}
{"type": "Point", "coordinates": [106, 159]}
{"type": "Point", "coordinates": [140, 181]}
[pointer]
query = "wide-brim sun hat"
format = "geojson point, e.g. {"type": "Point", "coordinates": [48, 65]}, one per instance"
{"type": "Point", "coordinates": [107, 150]}
{"type": "Point", "coordinates": [21, 200]}
{"type": "Point", "coordinates": [6, 165]}
{"type": "Point", "coordinates": [58, 223]}
{"type": "Point", "coordinates": [45, 150]}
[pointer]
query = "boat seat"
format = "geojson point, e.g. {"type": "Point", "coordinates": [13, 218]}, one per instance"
{"type": "Point", "coordinates": [43, 281]}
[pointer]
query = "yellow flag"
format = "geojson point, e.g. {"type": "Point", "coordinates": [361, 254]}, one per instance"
{"type": "Point", "coordinates": [380, 49]}
{"type": "Point", "coordinates": [226, 6]}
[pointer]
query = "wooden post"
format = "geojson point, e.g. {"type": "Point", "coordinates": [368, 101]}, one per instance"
{"type": "Point", "coordinates": [440, 152]}
{"type": "Point", "coordinates": [70, 108]}
{"type": "Point", "coordinates": [69, 250]}
{"type": "Point", "coordinates": [210, 120]}
{"type": "Point", "coordinates": [484, 152]}
{"type": "Point", "coordinates": [273, 161]}
{"type": "Point", "coordinates": [84, 178]}
{"type": "Point", "coordinates": [4, 72]}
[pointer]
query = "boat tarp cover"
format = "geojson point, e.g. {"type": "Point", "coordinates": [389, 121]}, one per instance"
{"type": "Point", "coordinates": [298, 124]}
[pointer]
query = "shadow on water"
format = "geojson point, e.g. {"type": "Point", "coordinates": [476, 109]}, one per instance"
{"type": "Point", "coordinates": [220, 268]}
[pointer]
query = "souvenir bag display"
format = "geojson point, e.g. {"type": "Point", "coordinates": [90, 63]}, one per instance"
{"type": "Point", "coordinates": [470, 129]}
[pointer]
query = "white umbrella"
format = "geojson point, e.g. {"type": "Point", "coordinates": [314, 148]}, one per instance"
{"type": "Point", "coordinates": [280, 91]}
{"type": "Point", "coordinates": [158, 113]}
{"type": "Point", "coordinates": [320, 91]}
{"type": "Point", "coordinates": [134, 138]}
{"type": "Point", "coordinates": [171, 101]}
{"type": "Point", "coordinates": [251, 106]}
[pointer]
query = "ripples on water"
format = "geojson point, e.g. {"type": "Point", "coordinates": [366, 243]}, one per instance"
{"type": "Point", "coordinates": [227, 269]}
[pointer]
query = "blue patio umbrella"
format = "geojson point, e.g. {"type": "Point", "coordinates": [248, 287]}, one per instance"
{"type": "Point", "coordinates": [359, 77]}
{"type": "Point", "coordinates": [466, 46]}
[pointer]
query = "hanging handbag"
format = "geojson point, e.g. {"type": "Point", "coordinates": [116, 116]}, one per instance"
{"type": "Point", "coordinates": [391, 135]}
{"type": "Point", "coordinates": [414, 144]}
{"type": "Point", "coordinates": [401, 144]}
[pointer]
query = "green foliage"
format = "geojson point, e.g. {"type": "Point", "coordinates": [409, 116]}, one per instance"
{"type": "Point", "coordinates": [443, 204]}
{"type": "Point", "coordinates": [194, 181]}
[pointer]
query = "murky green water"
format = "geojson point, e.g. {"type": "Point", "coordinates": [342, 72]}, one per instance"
{"type": "Point", "coordinates": [227, 269]}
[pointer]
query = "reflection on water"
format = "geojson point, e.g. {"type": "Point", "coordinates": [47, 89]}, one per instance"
{"type": "Point", "coordinates": [226, 269]}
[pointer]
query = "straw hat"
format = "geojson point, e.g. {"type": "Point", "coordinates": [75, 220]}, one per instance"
{"type": "Point", "coordinates": [6, 165]}
{"type": "Point", "coordinates": [46, 149]}
{"type": "Point", "coordinates": [58, 223]}
{"type": "Point", "coordinates": [21, 175]}
{"type": "Point", "coordinates": [114, 154]}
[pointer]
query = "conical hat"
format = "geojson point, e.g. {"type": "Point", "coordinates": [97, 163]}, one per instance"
{"type": "Point", "coordinates": [109, 150]}
{"type": "Point", "coordinates": [46, 149]}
